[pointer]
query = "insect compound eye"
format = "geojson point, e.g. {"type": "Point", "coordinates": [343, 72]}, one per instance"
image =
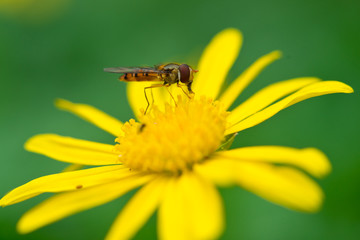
{"type": "Point", "coordinates": [184, 73]}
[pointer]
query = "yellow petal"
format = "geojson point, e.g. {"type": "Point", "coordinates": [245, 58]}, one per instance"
{"type": "Point", "coordinates": [171, 218]}
{"type": "Point", "coordinates": [73, 167]}
{"type": "Point", "coordinates": [136, 96]}
{"type": "Point", "coordinates": [137, 210]}
{"type": "Point", "coordinates": [235, 89]}
{"type": "Point", "coordinates": [216, 62]}
{"type": "Point", "coordinates": [72, 150]}
{"type": "Point", "coordinates": [191, 209]}
{"type": "Point", "coordinates": [218, 170]}
{"type": "Point", "coordinates": [309, 159]}
{"type": "Point", "coordinates": [267, 96]}
{"type": "Point", "coordinates": [65, 204]}
{"type": "Point", "coordinates": [67, 181]}
{"type": "Point", "coordinates": [313, 90]}
{"type": "Point", "coordinates": [93, 115]}
{"type": "Point", "coordinates": [285, 186]}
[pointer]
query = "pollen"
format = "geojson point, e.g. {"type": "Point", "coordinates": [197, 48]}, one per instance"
{"type": "Point", "coordinates": [175, 139]}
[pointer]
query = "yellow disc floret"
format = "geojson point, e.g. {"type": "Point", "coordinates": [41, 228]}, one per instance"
{"type": "Point", "coordinates": [175, 139]}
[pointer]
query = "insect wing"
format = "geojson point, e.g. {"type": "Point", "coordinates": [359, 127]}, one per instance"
{"type": "Point", "coordinates": [131, 70]}
{"type": "Point", "coordinates": [137, 74]}
{"type": "Point", "coordinates": [168, 67]}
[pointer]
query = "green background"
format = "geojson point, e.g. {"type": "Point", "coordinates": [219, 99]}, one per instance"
{"type": "Point", "coordinates": [50, 52]}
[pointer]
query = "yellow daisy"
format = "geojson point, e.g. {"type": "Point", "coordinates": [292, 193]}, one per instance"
{"type": "Point", "coordinates": [178, 153]}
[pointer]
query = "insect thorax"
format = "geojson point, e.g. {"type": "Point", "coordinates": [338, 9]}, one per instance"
{"type": "Point", "coordinates": [172, 74]}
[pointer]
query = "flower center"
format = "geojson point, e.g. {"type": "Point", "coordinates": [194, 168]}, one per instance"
{"type": "Point", "coordinates": [175, 139]}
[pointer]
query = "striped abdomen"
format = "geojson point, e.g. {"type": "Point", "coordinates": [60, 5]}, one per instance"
{"type": "Point", "coordinates": [139, 77]}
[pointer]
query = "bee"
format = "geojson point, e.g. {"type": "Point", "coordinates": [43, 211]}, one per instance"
{"type": "Point", "coordinates": [168, 74]}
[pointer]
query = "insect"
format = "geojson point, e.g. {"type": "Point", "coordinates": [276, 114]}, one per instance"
{"type": "Point", "coordinates": [167, 74]}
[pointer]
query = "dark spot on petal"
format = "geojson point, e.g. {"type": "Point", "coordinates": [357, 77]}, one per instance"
{"type": "Point", "coordinates": [79, 186]}
{"type": "Point", "coordinates": [142, 126]}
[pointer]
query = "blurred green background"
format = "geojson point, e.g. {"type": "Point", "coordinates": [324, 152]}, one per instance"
{"type": "Point", "coordinates": [52, 49]}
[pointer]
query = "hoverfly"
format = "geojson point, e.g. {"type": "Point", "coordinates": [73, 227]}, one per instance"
{"type": "Point", "coordinates": [168, 74]}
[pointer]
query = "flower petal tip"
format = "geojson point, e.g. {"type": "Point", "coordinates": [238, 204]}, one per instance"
{"type": "Point", "coordinates": [31, 141]}
{"type": "Point", "coordinates": [28, 144]}
{"type": "Point", "coordinates": [22, 227]}
{"type": "Point", "coordinates": [62, 103]}
{"type": "Point", "coordinates": [277, 54]}
{"type": "Point", "coordinates": [312, 204]}
{"type": "Point", "coordinates": [321, 165]}
{"type": "Point", "coordinates": [340, 87]}
{"type": "Point", "coordinates": [315, 206]}
{"type": "Point", "coordinates": [2, 203]}
{"type": "Point", "coordinates": [6, 200]}
{"type": "Point", "coordinates": [231, 31]}
{"type": "Point", "coordinates": [231, 36]}
{"type": "Point", "coordinates": [348, 89]}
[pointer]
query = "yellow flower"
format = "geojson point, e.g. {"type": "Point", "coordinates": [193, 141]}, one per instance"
{"type": "Point", "coordinates": [178, 153]}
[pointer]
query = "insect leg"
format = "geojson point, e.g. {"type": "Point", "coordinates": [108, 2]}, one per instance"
{"type": "Point", "coordinates": [147, 100]}
{"type": "Point", "coordinates": [152, 98]}
{"type": "Point", "coordinates": [167, 88]}
{"type": "Point", "coordinates": [184, 91]}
